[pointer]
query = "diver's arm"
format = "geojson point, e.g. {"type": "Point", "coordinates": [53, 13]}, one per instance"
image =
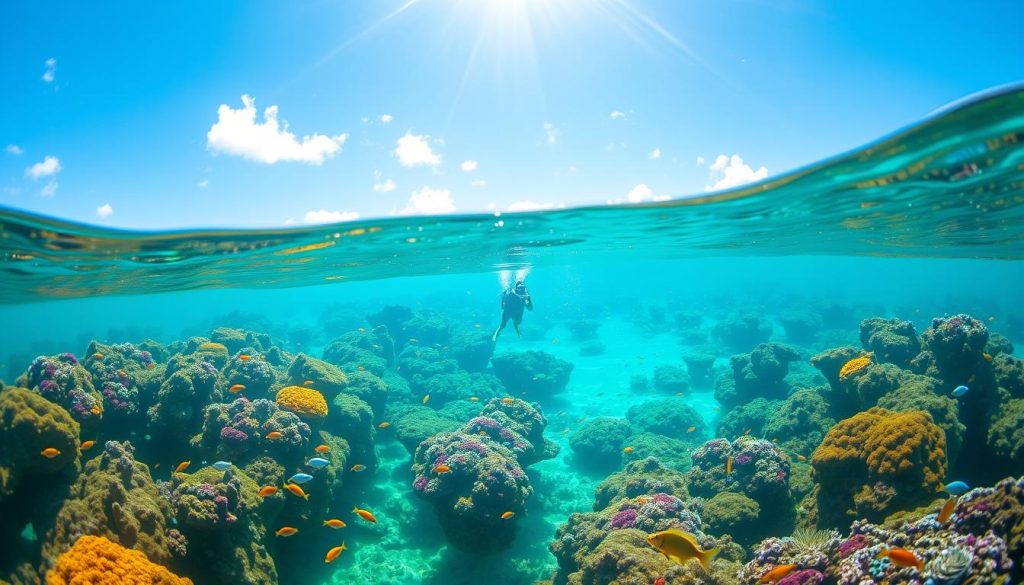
{"type": "Point", "coordinates": [529, 302]}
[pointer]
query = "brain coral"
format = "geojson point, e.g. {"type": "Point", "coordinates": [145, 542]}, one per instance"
{"type": "Point", "coordinates": [876, 463]}
{"type": "Point", "coordinates": [305, 402]}
{"type": "Point", "coordinates": [94, 560]}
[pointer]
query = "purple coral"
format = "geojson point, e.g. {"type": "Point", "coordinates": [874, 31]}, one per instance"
{"type": "Point", "coordinates": [803, 577]}
{"type": "Point", "coordinates": [625, 518]}
{"type": "Point", "coordinates": [852, 544]}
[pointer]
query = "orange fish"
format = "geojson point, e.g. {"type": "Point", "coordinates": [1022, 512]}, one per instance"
{"type": "Point", "coordinates": [307, 383]}
{"type": "Point", "coordinates": [987, 356]}
{"type": "Point", "coordinates": [442, 468]}
{"type": "Point", "coordinates": [384, 425]}
{"type": "Point", "coordinates": [642, 500]}
{"type": "Point", "coordinates": [426, 399]}
{"type": "Point", "coordinates": [235, 388]}
{"type": "Point", "coordinates": [96, 410]}
{"type": "Point", "coordinates": [482, 433]}
{"type": "Point", "coordinates": [244, 357]}
{"type": "Point", "coordinates": [801, 458]}
{"type": "Point", "coordinates": [274, 435]}
{"type": "Point", "coordinates": [296, 490]}
{"type": "Point", "coordinates": [286, 531]}
{"type": "Point", "coordinates": [901, 557]}
{"type": "Point", "coordinates": [627, 450]}
{"type": "Point", "coordinates": [507, 401]}
{"type": "Point", "coordinates": [728, 465]}
{"type": "Point", "coordinates": [335, 553]}
{"type": "Point", "coordinates": [947, 510]}
{"type": "Point", "coordinates": [334, 523]}
{"type": "Point", "coordinates": [121, 374]}
{"type": "Point", "coordinates": [86, 445]}
{"type": "Point", "coordinates": [507, 515]}
{"type": "Point", "coordinates": [150, 366]}
{"type": "Point", "coordinates": [691, 429]}
{"type": "Point", "coordinates": [182, 466]}
{"type": "Point", "coordinates": [776, 573]}
{"type": "Point", "coordinates": [365, 515]}
{"type": "Point", "coordinates": [267, 490]}
{"type": "Point", "coordinates": [50, 452]}
{"type": "Point", "coordinates": [97, 356]}
{"type": "Point", "coordinates": [474, 399]}
{"type": "Point", "coordinates": [322, 449]}
{"type": "Point", "coordinates": [357, 467]}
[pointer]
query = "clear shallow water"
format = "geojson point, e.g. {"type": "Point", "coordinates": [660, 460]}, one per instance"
{"type": "Point", "coordinates": [923, 224]}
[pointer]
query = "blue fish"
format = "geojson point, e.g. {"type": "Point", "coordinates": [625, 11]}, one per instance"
{"type": "Point", "coordinates": [957, 488]}
{"type": "Point", "coordinates": [300, 478]}
{"type": "Point", "coordinates": [222, 466]}
{"type": "Point", "coordinates": [960, 391]}
{"type": "Point", "coordinates": [318, 463]}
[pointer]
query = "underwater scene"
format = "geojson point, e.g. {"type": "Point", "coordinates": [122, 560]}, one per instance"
{"type": "Point", "coordinates": [815, 379]}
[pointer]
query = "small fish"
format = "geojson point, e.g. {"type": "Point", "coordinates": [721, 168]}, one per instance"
{"type": "Point", "coordinates": [901, 557]}
{"type": "Point", "coordinates": [318, 463]}
{"type": "Point", "coordinates": [96, 410]}
{"type": "Point", "coordinates": [361, 330]}
{"type": "Point", "coordinates": [482, 433]}
{"type": "Point", "coordinates": [507, 401]}
{"type": "Point", "coordinates": [991, 318]}
{"type": "Point", "coordinates": [413, 340]}
{"type": "Point", "coordinates": [474, 399]}
{"type": "Point", "coordinates": [561, 413]}
{"type": "Point", "coordinates": [123, 374]}
{"type": "Point", "coordinates": [679, 394]}
{"type": "Point", "coordinates": [777, 573]}
{"type": "Point", "coordinates": [986, 356]}
{"type": "Point", "coordinates": [361, 368]}
{"type": "Point", "coordinates": [971, 379]}
{"type": "Point", "coordinates": [307, 383]}
{"type": "Point", "coordinates": [957, 488]}
{"type": "Point", "coordinates": [801, 458]}
{"type": "Point", "coordinates": [384, 425]}
{"type": "Point", "coordinates": [323, 449]}
{"type": "Point", "coordinates": [236, 388]}
{"type": "Point", "coordinates": [728, 465]}
{"type": "Point", "coordinates": [221, 465]}
{"type": "Point", "coordinates": [691, 429]}
{"type": "Point", "coordinates": [747, 432]}
{"type": "Point", "coordinates": [946, 511]}
{"type": "Point", "coordinates": [680, 547]}
{"type": "Point", "coordinates": [267, 490]}
{"type": "Point", "coordinates": [426, 399]}
{"type": "Point", "coordinates": [244, 357]}
{"type": "Point", "coordinates": [960, 391]}
{"type": "Point", "coordinates": [286, 531]}
{"type": "Point", "coordinates": [365, 515]}
{"type": "Point", "coordinates": [97, 356]}
{"type": "Point", "coordinates": [296, 490]}
{"type": "Point", "coordinates": [50, 452]}
{"type": "Point", "coordinates": [442, 468]}
{"type": "Point", "coordinates": [300, 478]}
{"type": "Point", "coordinates": [565, 431]}
{"type": "Point", "coordinates": [335, 523]}
{"type": "Point", "coordinates": [274, 435]}
{"type": "Point", "coordinates": [642, 500]}
{"type": "Point", "coordinates": [507, 515]}
{"type": "Point", "coordinates": [476, 325]}
{"type": "Point", "coordinates": [581, 419]}
{"type": "Point", "coordinates": [182, 466]}
{"type": "Point", "coordinates": [85, 446]}
{"type": "Point", "coordinates": [627, 450]}
{"type": "Point", "coordinates": [357, 467]}
{"type": "Point", "coordinates": [659, 581]}
{"type": "Point", "coordinates": [335, 553]}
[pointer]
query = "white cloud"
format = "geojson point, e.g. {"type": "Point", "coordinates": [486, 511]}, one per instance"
{"type": "Point", "coordinates": [203, 184]}
{"type": "Point", "coordinates": [528, 205]}
{"type": "Point", "coordinates": [47, 167]}
{"type": "Point", "coordinates": [385, 118]}
{"type": "Point", "coordinates": [51, 71]}
{"type": "Point", "coordinates": [14, 149]}
{"type": "Point", "coordinates": [413, 150]}
{"type": "Point", "coordinates": [105, 210]}
{"type": "Point", "coordinates": [639, 193]}
{"type": "Point", "coordinates": [324, 216]}
{"type": "Point", "coordinates": [50, 188]}
{"type": "Point", "coordinates": [428, 201]}
{"type": "Point", "coordinates": [700, 160]}
{"type": "Point", "coordinates": [469, 165]}
{"type": "Point", "coordinates": [237, 133]}
{"type": "Point", "coordinates": [655, 154]}
{"type": "Point", "coordinates": [478, 183]}
{"type": "Point", "coordinates": [551, 132]}
{"type": "Point", "coordinates": [616, 115]}
{"type": "Point", "coordinates": [730, 171]}
{"type": "Point", "coordinates": [386, 187]}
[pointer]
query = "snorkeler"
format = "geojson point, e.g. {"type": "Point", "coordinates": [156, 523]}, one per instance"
{"type": "Point", "coordinates": [513, 301]}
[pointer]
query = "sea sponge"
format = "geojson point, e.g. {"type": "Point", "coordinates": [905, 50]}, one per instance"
{"type": "Point", "coordinates": [94, 560]}
{"type": "Point", "coordinates": [30, 423]}
{"type": "Point", "coordinates": [876, 463]}
{"type": "Point", "coordinates": [853, 367]}
{"type": "Point", "coordinates": [305, 402]}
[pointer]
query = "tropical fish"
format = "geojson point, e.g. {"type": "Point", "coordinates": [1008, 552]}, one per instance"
{"type": "Point", "coordinates": [267, 490]}
{"type": "Point", "coordinates": [747, 432]}
{"type": "Point", "coordinates": [507, 515]}
{"type": "Point", "coordinates": [235, 388]}
{"type": "Point", "coordinates": [286, 531]}
{"type": "Point", "coordinates": [680, 547]}
{"type": "Point", "coordinates": [659, 581]}
{"type": "Point", "coordinates": [426, 399]}
{"type": "Point", "coordinates": [182, 466]}
{"type": "Point", "coordinates": [679, 394]}
{"type": "Point", "coordinates": [642, 500]}
{"type": "Point", "coordinates": [295, 489]}
{"type": "Point", "coordinates": [96, 410]}
{"type": "Point", "coordinates": [122, 374]}
{"type": "Point", "coordinates": [384, 425]}
{"type": "Point", "coordinates": [150, 366]}
{"type": "Point", "coordinates": [728, 465]}
{"type": "Point", "coordinates": [507, 401]}
{"type": "Point", "coordinates": [413, 340]}
{"type": "Point", "coordinates": [322, 449]}
{"type": "Point", "coordinates": [221, 465]}
{"type": "Point", "coordinates": [777, 573]}
{"type": "Point", "coordinates": [86, 445]}
{"type": "Point", "coordinates": [565, 431]}
{"type": "Point", "coordinates": [318, 463]}
{"type": "Point", "coordinates": [361, 368]}
{"type": "Point", "coordinates": [561, 413]}
{"type": "Point", "coordinates": [442, 468]}
{"type": "Point", "coordinates": [274, 435]}
{"type": "Point", "coordinates": [308, 383]}
{"type": "Point", "coordinates": [244, 357]}
{"type": "Point", "coordinates": [335, 553]}
{"type": "Point", "coordinates": [581, 419]}
{"type": "Point", "coordinates": [365, 515]}
{"type": "Point", "coordinates": [335, 523]}
{"type": "Point", "coordinates": [947, 510]}
{"type": "Point", "coordinates": [986, 356]}
{"type": "Point", "coordinates": [474, 399]}
{"type": "Point", "coordinates": [50, 452]}
{"type": "Point", "coordinates": [361, 330]}
{"type": "Point", "coordinates": [97, 356]}
{"type": "Point", "coordinates": [957, 488]}
{"type": "Point", "coordinates": [691, 429]}
{"type": "Point", "coordinates": [901, 557]}
{"type": "Point", "coordinates": [300, 478]}
{"type": "Point", "coordinates": [627, 450]}
{"type": "Point", "coordinates": [960, 391]}
{"type": "Point", "coordinates": [357, 467]}
{"type": "Point", "coordinates": [482, 433]}
{"type": "Point", "coordinates": [801, 458]}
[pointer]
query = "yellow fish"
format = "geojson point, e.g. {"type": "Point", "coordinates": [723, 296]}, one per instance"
{"type": "Point", "coordinates": [507, 401]}
{"type": "Point", "coordinates": [335, 553]}
{"type": "Point", "coordinates": [474, 399]}
{"type": "Point", "coordinates": [384, 425]}
{"type": "Point", "coordinates": [308, 383]}
{"type": "Point", "coordinates": [627, 450]}
{"type": "Point", "coordinates": [235, 388]}
{"type": "Point", "coordinates": [334, 523]}
{"type": "Point", "coordinates": [358, 467]}
{"type": "Point", "coordinates": [728, 465]}
{"type": "Point", "coordinates": [182, 466]}
{"type": "Point", "coordinates": [680, 547]}
{"type": "Point", "coordinates": [426, 399]}
{"type": "Point", "coordinates": [691, 429]}
{"type": "Point", "coordinates": [365, 515]}
{"type": "Point", "coordinates": [947, 510]}
{"type": "Point", "coordinates": [507, 515]}
{"type": "Point", "coordinates": [296, 490]}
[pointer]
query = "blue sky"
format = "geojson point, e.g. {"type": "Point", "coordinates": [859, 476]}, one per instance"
{"type": "Point", "coordinates": [131, 115]}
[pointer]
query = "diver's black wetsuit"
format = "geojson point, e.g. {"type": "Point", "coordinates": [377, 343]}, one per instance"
{"type": "Point", "coordinates": [513, 301]}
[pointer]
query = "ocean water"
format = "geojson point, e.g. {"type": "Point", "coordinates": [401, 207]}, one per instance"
{"type": "Point", "coordinates": [921, 227]}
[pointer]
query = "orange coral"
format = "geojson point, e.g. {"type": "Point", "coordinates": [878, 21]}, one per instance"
{"type": "Point", "coordinates": [94, 560]}
{"type": "Point", "coordinates": [854, 366]}
{"type": "Point", "coordinates": [305, 402]}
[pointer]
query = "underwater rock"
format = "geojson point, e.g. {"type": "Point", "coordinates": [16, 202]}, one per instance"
{"type": "Point", "coordinates": [802, 324]}
{"type": "Point", "coordinates": [1009, 373]}
{"type": "Point", "coordinates": [324, 377]}
{"type": "Point", "coordinates": [799, 424]}
{"type": "Point", "coordinates": [890, 340]}
{"type": "Point", "coordinates": [592, 349]}
{"type": "Point", "coordinates": [584, 329]}
{"type": "Point", "coordinates": [62, 380]}
{"type": "Point", "coordinates": [669, 379]}
{"type": "Point", "coordinates": [352, 419]}
{"type": "Point", "coordinates": [415, 424]}
{"type": "Point", "coordinates": [237, 339]}
{"type": "Point", "coordinates": [736, 515]}
{"type": "Point", "coordinates": [472, 349]}
{"type": "Point", "coordinates": [29, 424]}
{"type": "Point", "coordinates": [752, 417]}
{"type": "Point", "coordinates": [369, 388]}
{"type": "Point", "coordinates": [419, 365]}
{"type": "Point", "coordinates": [538, 374]}
{"type": "Point", "coordinates": [699, 362]}
{"type": "Point", "coordinates": [351, 358]}
{"type": "Point", "coordinates": [598, 442]}
{"type": "Point", "coordinates": [830, 362]}
{"type": "Point", "coordinates": [257, 375]}
{"type": "Point", "coordinates": [671, 417]}
{"type": "Point", "coordinates": [758, 374]}
{"type": "Point", "coordinates": [444, 388]}
{"type": "Point", "coordinates": [95, 560]}
{"type": "Point", "coordinates": [644, 477]}
{"type": "Point", "coordinates": [672, 453]}
{"type": "Point", "coordinates": [742, 330]}
{"type": "Point", "coordinates": [189, 385]}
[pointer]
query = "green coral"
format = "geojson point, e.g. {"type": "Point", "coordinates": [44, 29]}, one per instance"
{"type": "Point", "coordinates": [670, 417]}
{"type": "Point", "coordinates": [352, 419]}
{"type": "Point", "coordinates": [736, 515]}
{"type": "Point", "coordinates": [645, 477]}
{"type": "Point", "coordinates": [370, 388]}
{"type": "Point", "coordinates": [673, 453]}
{"type": "Point", "coordinates": [1006, 433]}
{"type": "Point", "coordinates": [415, 424]}
{"type": "Point", "coordinates": [751, 416]}
{"type": "Point", "coordinates": [327, 379]}
{"type": "Point", "coordinates": [891, 340]}
{"type": "Point", "coordinates": [598, 442]}
{"type": "Point", "coordinates": [800, 422]}
{"type": "Point", "coordinates": [30, 423]}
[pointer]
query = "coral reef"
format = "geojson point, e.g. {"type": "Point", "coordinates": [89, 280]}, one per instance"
{"type": "Point", "coordinates": [538, 374]}
{"type": "Point", "coordinates": [444, 388]}
{"type": "Point", "coordinates": [62, 380]}
{"type": "Point", "coordinates": [311, 372]}
{"type": "Point", "coordinates": [1006, 433]}
{"type": "Point", "coordinates": [30, 423]}
{"type": "Point", "coordinates": [256, 373]}
{"type": "Point", "coordinates": [673, 453]}
{"type": "Point", "coordinates": [352, 420]}
{"type": "Point", "coordinates": [472, 349]}
{"type": "Point", "coordinates": [670, 379]}
{"type": "Point", "coordinates": [749, 418]}
{"type": "Point", "coordinates": [415, 424]}
{"type": "Point", "coordinates": [94, 560]}
{"type": "Point", "coordinates": [127, 378]}
{"type": "Point", "coordinates": [644, 477]}
{"type": "Point", "coordinates": [741, 331]}
{"type": "Point", "coordinates": [736, 515]}
{"type": "Point", "coordinates": [369, 388]}
{"type": "Point", "coordinates": [917, 392]}
{"type": "Point", "coordinates": [699, 362]}
{"type": "Point", "coordinates": [238, 431]}
{"type": "Point", "coordinates": [999, 510]}
{"type": "Point", "coordinates": [309, 404]}
{"type": "Point", "coordinates": [802, 324]}
{"type": "Point", "coordinates": [520, 427]}
{"type": "Point", "coordinates": [598, 442]}
{"type": "Point", "coordinates": [757, 374]}
{"type": "Point", "coordinates": [670, 417]}
{"type": "Point", "coordinates": [890, 340]}
{"type": "Point", "coordinates": [799, 423]}
{"type": "Point", "coordinates": [189, 384]}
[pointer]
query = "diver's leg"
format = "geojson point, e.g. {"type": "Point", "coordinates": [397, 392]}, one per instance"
{"type": "Point", "coordinates": [516, 323]}
{"type": "Point", "coordinates": [504, 321]}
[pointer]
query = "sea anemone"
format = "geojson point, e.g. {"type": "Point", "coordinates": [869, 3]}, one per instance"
{"type": "Point", "coordinates": [854, 366]}
{"type": "Point", "coordinates": [951, 566]}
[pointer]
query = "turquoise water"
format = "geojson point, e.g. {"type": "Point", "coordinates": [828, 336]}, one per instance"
{"type": "Point", "coordinates": [927, 223]}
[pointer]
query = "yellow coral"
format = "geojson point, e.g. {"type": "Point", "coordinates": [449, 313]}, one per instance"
{"type": "Point", "coordinates": [305, 402]}
{"type": "Point", "coordinates": [212, 347]}
{"type": "Point", "coordinates": [94, 560]}
{"type": "Point", "coordinates": [854, 366]}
